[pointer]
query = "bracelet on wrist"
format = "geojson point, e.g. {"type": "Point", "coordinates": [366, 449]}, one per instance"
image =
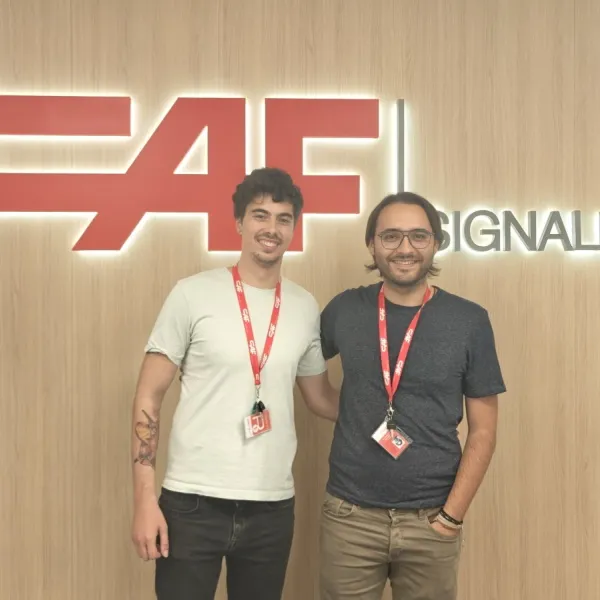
{"type": "Point", "coordinates": [450, 518]}
{"type": "Point", "coordinates": [447, 524]}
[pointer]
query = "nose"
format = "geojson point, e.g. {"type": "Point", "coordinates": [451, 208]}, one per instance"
{"type": "Point", "coordinates": [405, 245]}
{"type": "Point", "coordinates": [272, 225]}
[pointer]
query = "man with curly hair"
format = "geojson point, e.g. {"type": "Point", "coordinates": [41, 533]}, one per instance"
{"type": "Point", "coordinates": [242, 337]}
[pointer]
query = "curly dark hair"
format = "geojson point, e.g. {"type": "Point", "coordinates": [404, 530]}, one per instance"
{"type": "Point", "coordinates": [268, 181]}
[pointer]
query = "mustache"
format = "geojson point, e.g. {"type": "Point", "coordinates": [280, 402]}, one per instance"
{"type": "Point", "coordinates": [403, 256]}
{"type": "Point", "coordinates": [269, 237]}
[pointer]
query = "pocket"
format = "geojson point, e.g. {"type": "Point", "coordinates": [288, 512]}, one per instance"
{"type": "Point", "coordinates": [336, 507]}
{"type": "Point", "coordinates": [178, 502]}
{"type": "Point", "coordinates": [279, 509]}
{"type": "Point", "coordinates": [428, 516]}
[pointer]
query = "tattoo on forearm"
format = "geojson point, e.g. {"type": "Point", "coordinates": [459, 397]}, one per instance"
{"type": "Point", "coordinates": [147, 433]}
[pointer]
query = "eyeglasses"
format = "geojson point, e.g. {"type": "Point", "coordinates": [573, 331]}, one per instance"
{"type": "Point", "coordinates": [418, 238]}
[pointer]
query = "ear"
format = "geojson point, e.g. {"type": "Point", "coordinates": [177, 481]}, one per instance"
{"type": "Point", "coordinates": [372, 248]}
{"type": "Point", "coordinates": [238, 226]}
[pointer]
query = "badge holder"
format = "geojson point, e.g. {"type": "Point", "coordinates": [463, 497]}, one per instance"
{"type": "Point", "coordinates": [390, 437]}
{"type": "Point", "coordinates": [259, 421]}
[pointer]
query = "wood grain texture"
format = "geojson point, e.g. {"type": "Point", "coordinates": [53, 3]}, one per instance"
{"type": "Point", "coordinates": [502, 98]}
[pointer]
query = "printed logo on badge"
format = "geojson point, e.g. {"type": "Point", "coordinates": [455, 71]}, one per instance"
{"type": "Point", "coordinates": [393, 441]}
{"type": "Point", "coordinates": [257, 424]}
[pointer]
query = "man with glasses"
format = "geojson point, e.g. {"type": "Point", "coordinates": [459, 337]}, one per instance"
{"type": "Point", "coordinates": [400, 484]}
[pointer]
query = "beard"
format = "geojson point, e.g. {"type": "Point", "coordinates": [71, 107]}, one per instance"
{"type": "Point", "coordinates": [266, 261]}
{"type": "Point", "coordinates": [264, 258]}
{"type": "Point", "coordinates": [412, 277]}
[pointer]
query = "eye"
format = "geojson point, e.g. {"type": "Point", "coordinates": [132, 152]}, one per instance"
{"type": "Point", "coordinates": [390, 238]}
{"type": "Point", "coordinates": [419, 236]}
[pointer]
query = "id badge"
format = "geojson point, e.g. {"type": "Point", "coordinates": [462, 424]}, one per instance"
{"type": "Point", "coordinates": [257, 424]}
{"type": "Point", "coordinates": [394, 441]}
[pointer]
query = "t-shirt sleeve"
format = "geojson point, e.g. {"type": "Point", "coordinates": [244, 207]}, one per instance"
{"type": "Point", "coordinates": [483, 376]}
{"type": "Point", "coordinates": [328, 328]}
{"type": "Point", "coordinates": [172, 329]}
{"type": "Point", "coordinates": [312, 361]}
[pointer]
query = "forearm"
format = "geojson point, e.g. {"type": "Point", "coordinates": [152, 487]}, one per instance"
{"type": "Point", "coordinates": [327, 403]}
{"type": "Point", "coordinates": [329, 407]}
{"type": "Point", "coordinates": [476, 458]}
{"type": "Point", "coordinates": [320, 396]}
{"type": "Point", "coordinates": [144, 445]}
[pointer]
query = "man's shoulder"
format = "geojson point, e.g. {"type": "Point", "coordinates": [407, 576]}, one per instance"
{"type": "Point", "coordinates": [298, 292]}
{"type": "Point", "coordinates": [300, 301]}
{"type": "Point", "coordinates": [202, 279]}
{"type": "Point", "coordinates": [461, 306]}
{"type": "Point", "coordinates": [355, 296]}
{"type": "Point", "coordinates": [197, 288]}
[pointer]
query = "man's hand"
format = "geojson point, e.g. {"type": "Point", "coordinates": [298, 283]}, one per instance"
{"type": "Point", "coordinates": [149, 532]}
{"type": "Point", "coordinates": [444, 530]}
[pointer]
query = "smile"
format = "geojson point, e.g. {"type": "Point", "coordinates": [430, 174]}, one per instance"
{"type": "Point", "coordinates": [405, 263]}
{"type": "Point", "coordinates": [269, 243]}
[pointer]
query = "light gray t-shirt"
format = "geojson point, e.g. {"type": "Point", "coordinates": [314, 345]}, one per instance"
{"type": "Point", "coordinates": [200, 329]}
{"type": "Point", "coordinates": [452, 355]}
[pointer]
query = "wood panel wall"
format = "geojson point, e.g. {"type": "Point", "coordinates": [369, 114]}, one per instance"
{"type": "Point", "coordinates": [503, 100]}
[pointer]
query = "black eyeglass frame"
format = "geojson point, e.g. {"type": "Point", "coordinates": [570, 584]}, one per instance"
{"type": "Point", "coordinates": [406, 234]}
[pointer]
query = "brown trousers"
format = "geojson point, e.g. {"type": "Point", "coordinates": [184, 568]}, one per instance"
{"type": "Point", "coordinates": [362, 547]}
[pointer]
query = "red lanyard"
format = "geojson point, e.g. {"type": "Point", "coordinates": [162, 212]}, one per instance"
{"type": "Point", "coordinates": [392, 386]}
{"type": "Point", "coordinates": [256, 368]}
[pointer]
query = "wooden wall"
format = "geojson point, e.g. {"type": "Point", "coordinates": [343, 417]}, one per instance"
{"type": "Point", "coordinates": [503, 99]}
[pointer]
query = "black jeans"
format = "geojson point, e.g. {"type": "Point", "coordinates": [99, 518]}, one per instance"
{"type": "Point", "coordinates": [255, 539]}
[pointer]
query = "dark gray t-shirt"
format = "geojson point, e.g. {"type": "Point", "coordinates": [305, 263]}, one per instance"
{"type": "Point", "coordinates": [452, 355]}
